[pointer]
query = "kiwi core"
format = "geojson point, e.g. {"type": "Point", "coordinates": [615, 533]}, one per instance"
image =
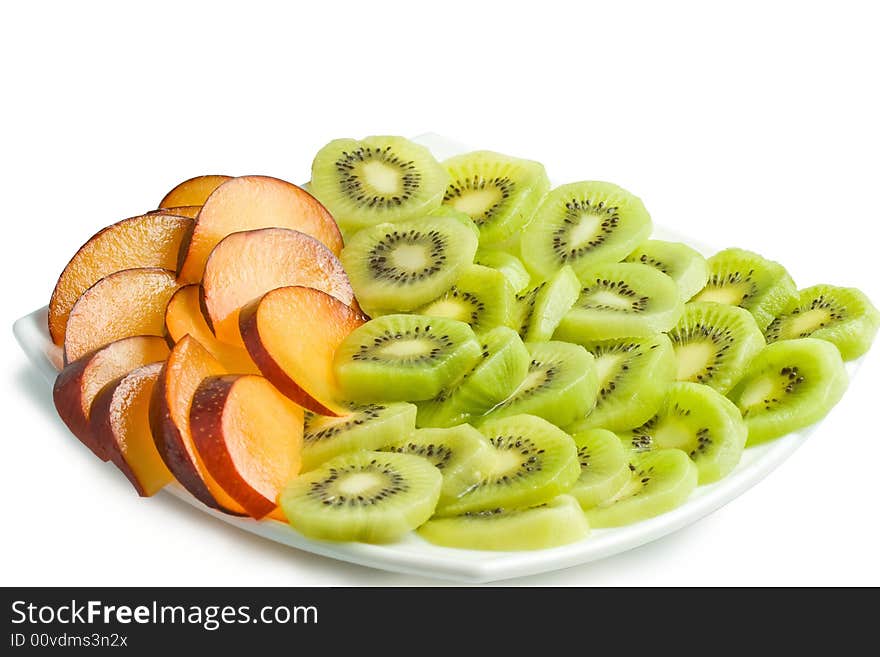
{"type": "Point", "coordinates": [360, 483]}
{"type": "Point", "coordinates": [675, 434]}
{"type": "Point", "coordinates": [506, 463]}
{"type": "Point", "coordinates": [805, 323]}
{"type": "Point", "coordinates": [585, 230]}
{"type": "Point", "coordinates": [765, 392]}
{"type": "Point", "coordinates": [606, 300]}
{"type": "Point", "coordinates": [759, 393]}
{"type": "Point", "coordinates": [477, 202]}
{"type": "Point", "coordinates": [632, 488]}
{"type": "Point", "coordinates": [534, 379]}
{"type": "Point", "coordinates": [383, 179]}
{"type": "Point", "coordinates": [693, 359]}
{"type": "Point", "coordinates": [411, 257]}
{"type": "Point", "coordinates": [515, 456]}
{"type": "Point", "coordinates": [450, 309]}
{"type": "Point", "coordinates": [607, 366]}
{"type": "Point", "coordinates": [406, 348]}
{"type": "Point", "coordinates": [732, 295]}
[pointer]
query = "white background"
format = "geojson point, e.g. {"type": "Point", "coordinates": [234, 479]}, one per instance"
{"type": "Point", "coordinates": [754, 126]}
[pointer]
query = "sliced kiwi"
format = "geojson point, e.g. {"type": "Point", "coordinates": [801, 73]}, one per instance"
{"type": "Point", "coordinates": [583, 224]}
{"type": "Point", "coordinates": [658, 482]}
{"type": "Point", "coordinates": [686, 266]}
{"type": "Point", "coordinates": [500, 193]}
{"type": "Point", "coordinates": [375, 497]}
{"type": "Point", "coordinates": [481, 297]}
{"type": "Point", "coordinates": [461, 453]}
{"type": "Point", "coordinates": [621, 300]}
{"type": "Point", "coordinates": [561, 385]}
{"type": "Point", "coordinates": [604, 467]}
{"type": "Point", "coordinates": [742, 278]}
{"type": "Point", "coordinates": [633, 375]}
{"type": "Point", "coordinates": [788, 386]}
{"type": "Point", "coordinates": [699, 421]}
{"type": "Point", "coordinates": [714, 343]}
{"type": "Point", "coordinates": [841, 315]}
{"type": "Point", "coordinates": [368, 426]}
{"type": "Point", "coordinates": [377, 180]}
{"type": "Point", "coordinates": [504, 362]}
{"type": "Point", "coordinates": [539, 309]}
{"type": "Point", "coordinates": [397, 267]}
{"type": "Point", "coordinates": [404, 358]}
{"type": "Point", "coordinates": [509, 265]}
{"type": "Point", "coordinates": [534, 461]}
{"type": "Point", "coordinates": [558, 522]}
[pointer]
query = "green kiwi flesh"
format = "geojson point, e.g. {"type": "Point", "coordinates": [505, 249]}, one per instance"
{"type": "Point", "coordinates": [560, 386]}
{"type": "Point", "coordinates": [741, 278]}
{"type": "Point", "coordinates": [377, 180]}
{"type": "Point", "coordinates": [368, 426]}
{"type": "Point", "coordinates": [633, 374]}
{"type": "Point", "coordinates": [788, 386]}
{"type": "Point", "coordinates": [538, 310]}
{"type": "Point", "coordinates": [659, 481]}
{"type": "Point", "coordinates": [461, 453]}
{"type": "Point", "coordinates": [481, 297]}
{"type": "Point", "coordinates": [714, 343]}
{"type": "Point", "coordinates": [621, 300]}
{"type": "Point", "coordinates": [557, 522]}
{"type": "Point", "coordinates": [374, 497]}
{"type": "Point", "coordinates": [604, 467]}
{"type": "Point", "coordinates": [404, 358]}
{"type": "Point", "coordinates": [583, 224]}
{"type": "Point", "coordinates": [503, 363]}
{"type": "Point", "coordinates": [843, 316]}
{"type": "Point", "coordinates": [686, 266]}
{"type": "Point", "coordinates": [509, 265]}
{"type": "Point", "coordinates": [534, 461]}
{"type": "Point", "coordinates": [399, 267]}
{"type": "Point", "coordinates": [500, 193]}
{"type": "Point", "coordinates": [699, 421]}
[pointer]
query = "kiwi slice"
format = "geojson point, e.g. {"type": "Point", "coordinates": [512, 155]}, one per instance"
{"type": "Point", "coordinates": [604, 467]}
{"type": "Point", "coordinates": [481, 297]}
{"type": "Point", "coordinates": [621, 300]}
{"type": "Point", "coordinates": [500, 193]}
{"type": "Point", "coordinates": [561, 385]}
{"type": "Point", "coordinates": [788, 386]}
{"type": "Point", "coordinates": [745, 279]}
{"type": "Point", "coordinates": [558, 522]}
{"type": "Point", "coordinates": [375, 497]}
{"type": "Point", "coordinates": [538, 311]}
{"type": "Point", "coordinates": [714, 343]}
{"type": "Point", "coordinates": [377, 180]}
{"type": "Point", "coordinates": [841, 315]}
{"type": "Point", "coordinates": [633, 375]}
{"type": "Point", "coordinates": [658, 482]}
{"type": "Point", "coordinates": [534, 461]}
{"type": "Point", "coordinates": [504, 362]}
{"type": "Point", "coordinates": [699, 421]}
{"type": "Point", "coordinates": [686, 266]}
{"type": "Point", "coordinates": [583, 224]}
{"type": "Point", "coordinates": [461, 453]}
{"type": "Point", "coordinates": [368, 426]}
{"type": "Point", "coordinates": [397, 267]}
{"type": "Point", "coordinates": [404, 358]}
{"type": "Point", "coordinates": [509, 265]}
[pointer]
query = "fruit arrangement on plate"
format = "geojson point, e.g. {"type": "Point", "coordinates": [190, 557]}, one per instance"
{"type": "Point", "coordinates": [448, 347]}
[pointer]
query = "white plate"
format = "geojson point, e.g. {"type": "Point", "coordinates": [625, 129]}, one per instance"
{"type": "Point", "coordinates": [412, 555]}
